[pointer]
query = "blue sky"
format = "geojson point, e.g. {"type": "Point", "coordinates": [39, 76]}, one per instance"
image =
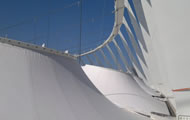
{"type": "Point", "coordinates": [57, 22]}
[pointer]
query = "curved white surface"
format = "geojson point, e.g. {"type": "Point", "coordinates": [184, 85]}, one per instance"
{"type": "Point", "coordinates": [35, 86]}
{"type": "Point", "coordinates": [168, 22]}
{"type": "Point", "coordinates": [123, 90]}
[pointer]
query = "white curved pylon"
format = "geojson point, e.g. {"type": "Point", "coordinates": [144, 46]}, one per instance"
{"type": "Point", "coordinates": [35, 85]}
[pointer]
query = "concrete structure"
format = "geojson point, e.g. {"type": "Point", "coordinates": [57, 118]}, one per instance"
{"type": "Point", "coordinates": [145, 77]}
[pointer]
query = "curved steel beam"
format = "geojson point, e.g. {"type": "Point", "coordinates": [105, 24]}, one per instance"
{"type": "Point", "coordinates": [119, 11]}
